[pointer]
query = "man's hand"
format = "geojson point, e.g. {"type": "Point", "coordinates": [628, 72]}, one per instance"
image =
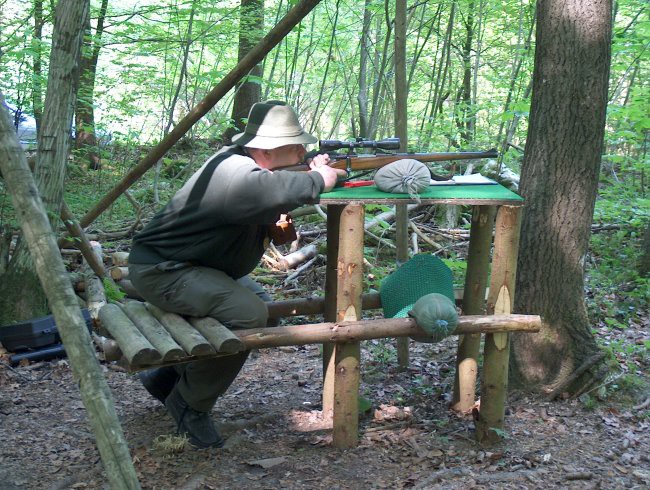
{"type": "Point", "coordinates": [330, 175]}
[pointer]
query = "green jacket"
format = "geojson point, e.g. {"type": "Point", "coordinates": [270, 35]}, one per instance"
{"type": "Point", "coordinates": [220, 217]}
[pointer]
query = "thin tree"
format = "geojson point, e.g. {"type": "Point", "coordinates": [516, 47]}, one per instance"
{"type": "Point", "coordinates": [85, 135]}
{"type": "Point", "coordinates": [249, 90]}
{"type": "Point", "coordinates": [559, 182]}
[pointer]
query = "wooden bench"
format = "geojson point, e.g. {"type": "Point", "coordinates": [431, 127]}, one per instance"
{"type": "Point", "coordinates": [146, 337]}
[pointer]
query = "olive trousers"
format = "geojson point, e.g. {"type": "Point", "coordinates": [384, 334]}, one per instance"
{"type": "Point", "coordinates": [190, 290]}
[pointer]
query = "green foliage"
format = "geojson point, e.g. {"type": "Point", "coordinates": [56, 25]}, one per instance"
{"type": "Point", "coordinates": [113, 292]}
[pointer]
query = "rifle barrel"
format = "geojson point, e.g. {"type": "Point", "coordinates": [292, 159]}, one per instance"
{"type": "Point", "coordinates": [362, 162]}
{"type": "Point", "coordinates": [366, 162]}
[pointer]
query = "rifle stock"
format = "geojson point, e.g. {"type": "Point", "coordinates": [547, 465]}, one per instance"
{"type": "Point", "coordinates": [367, 162]}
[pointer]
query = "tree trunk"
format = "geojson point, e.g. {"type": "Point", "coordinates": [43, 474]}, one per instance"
{"type": "Point", "coordinates": [85, 136]}
{"type": "Point", "coordinates": [559, 182]}
{"type": "Point", "coordinates": [21, 295]}
{"type": "Point", "coordinates": [249, 91]}
{"type": "Point", "coordinates": [37, 65]}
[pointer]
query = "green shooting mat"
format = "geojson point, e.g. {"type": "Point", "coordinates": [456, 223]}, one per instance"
{"type": "Point", "coordinates": [491, 193]}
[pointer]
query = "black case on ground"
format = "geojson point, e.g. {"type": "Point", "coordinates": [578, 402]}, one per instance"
{"type": "Point", "coordinates": [35, 333]}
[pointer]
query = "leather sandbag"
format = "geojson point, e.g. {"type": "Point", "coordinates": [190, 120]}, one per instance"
{"type": "Point", "coordinates": [406, 176]}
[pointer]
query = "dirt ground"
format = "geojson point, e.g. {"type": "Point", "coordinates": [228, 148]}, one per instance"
{"type": "Point", "coordinates": [276, 438]}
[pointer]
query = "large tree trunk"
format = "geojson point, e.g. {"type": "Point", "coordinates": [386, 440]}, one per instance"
{"type": "Point", "coordinates": [21, 295]}
{"type": "Point", "coordinates": [559, 182]}
{"type": "Point", "coordinates": [249, 91]}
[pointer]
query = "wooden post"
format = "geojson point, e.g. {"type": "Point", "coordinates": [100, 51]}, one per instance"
{"type": "Point", "coordinates": [348, 306]}
{"type": "Point", "coordinates": [478, 262]}
{"type": "Point", "coordinates": [333, 223]}
{"type": "Point", "coordinates": [496, 353]}
{"type": "Point", "coordinates": [401, 240]}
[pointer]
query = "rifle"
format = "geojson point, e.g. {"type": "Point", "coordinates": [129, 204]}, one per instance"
{"type": "Point", "coordinates": [351, 161]}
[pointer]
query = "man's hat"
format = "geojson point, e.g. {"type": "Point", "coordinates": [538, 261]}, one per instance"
{"type": "Point", "coordinates": [270, 125]}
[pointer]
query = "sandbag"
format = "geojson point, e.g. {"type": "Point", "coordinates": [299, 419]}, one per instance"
{"type": "Point", "coordinates": [435, 314]}
{"type": "Point", "coordinates": [406, 176]}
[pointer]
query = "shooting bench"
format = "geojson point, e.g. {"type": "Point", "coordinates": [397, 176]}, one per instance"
{"type": "Point", "coordinates": [180, 340]}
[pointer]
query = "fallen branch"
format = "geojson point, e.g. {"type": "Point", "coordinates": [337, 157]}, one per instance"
{"type": "Point", "coordinates": [300, 270]}
{"type": "Point", "coordinates": [425, 238]}
{"type": "Point", "coordinates": [576, 374]}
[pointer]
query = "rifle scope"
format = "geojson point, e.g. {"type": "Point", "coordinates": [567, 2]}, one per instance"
{"type": "Point", "coordinates": [385, 144]}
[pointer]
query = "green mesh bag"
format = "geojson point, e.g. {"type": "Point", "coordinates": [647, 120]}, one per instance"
{"type": "Point", "coordinates": [423, 274]}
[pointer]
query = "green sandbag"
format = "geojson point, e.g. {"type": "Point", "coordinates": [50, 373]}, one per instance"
{"type": "Point", "coordinates": [406, 176]}
{"type": "Point", "coordinates": [435, 314]}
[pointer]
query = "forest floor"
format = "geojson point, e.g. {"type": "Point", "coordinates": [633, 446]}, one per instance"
{"type": "Point", "coordinates": [276, 438]}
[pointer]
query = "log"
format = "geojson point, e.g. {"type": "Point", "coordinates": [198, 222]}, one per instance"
{"type": "Point", "coordinates": [95, 294]}
{"type": "Point", "coordinates": [119, 273]}
{"type": "Point", "coordinates": [293, 259]}
{"type": "Point", "coordinates": [185, 334]}
{"type": "Point", "coordinates": [318, 333]}
{"type": "Point", "coordinates": [120, 259]}
{"type": "Point", "coordinates": [135, 347]}
{"type": "Point", "coordinates": [221, 338]}
{"type": "Point", "coordinates": [154, 332]}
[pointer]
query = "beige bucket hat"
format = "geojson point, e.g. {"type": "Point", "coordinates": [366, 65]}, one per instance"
{"type": "Point", "coordinates": [270, 125]}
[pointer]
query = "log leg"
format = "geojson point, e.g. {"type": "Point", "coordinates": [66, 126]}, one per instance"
{"type": "Point", "coordinates": [402, 240]}
{"type": "Point", "coordinates": [348, 307]}
{"type": "Point", "coordinates": [494, 383]}
{"type": "Point", "coordinates": [333, 223]}
{"type": "Point", "coordinates": [478, 262]}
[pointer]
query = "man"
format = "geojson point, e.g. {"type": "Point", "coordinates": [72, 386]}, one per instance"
{"type": "Point", "coordinates": [194, 256]}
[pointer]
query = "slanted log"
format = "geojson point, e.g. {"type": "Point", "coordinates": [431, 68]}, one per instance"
{"type": "Point", "coordinates": [95, 294]}
{"type": "Point", "coordinates": [221, 338]}
{"type": "Point", "coordinates": [136, 348]}
{"type": "Point", "coordinates": [153, 331]}
{"type": "Point", "coordinates": [185, 334]}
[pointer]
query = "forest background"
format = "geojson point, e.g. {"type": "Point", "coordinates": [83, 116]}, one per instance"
{"type": "Point", "coordinates": [469, 78]}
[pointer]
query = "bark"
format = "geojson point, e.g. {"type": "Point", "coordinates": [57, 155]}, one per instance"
{"type": "Point", "coordinates": [40, 238]}
{"type": "Point", "coordinates": [249, 91]}
{"type": "Point", "coordinates": [21, 295]}
{"type": "Point", "coordinates": [559, 182]}
{"type": "Point", "coordinates": [37, 63]}
{"type": "Point", "coordinates": [85, 136]}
